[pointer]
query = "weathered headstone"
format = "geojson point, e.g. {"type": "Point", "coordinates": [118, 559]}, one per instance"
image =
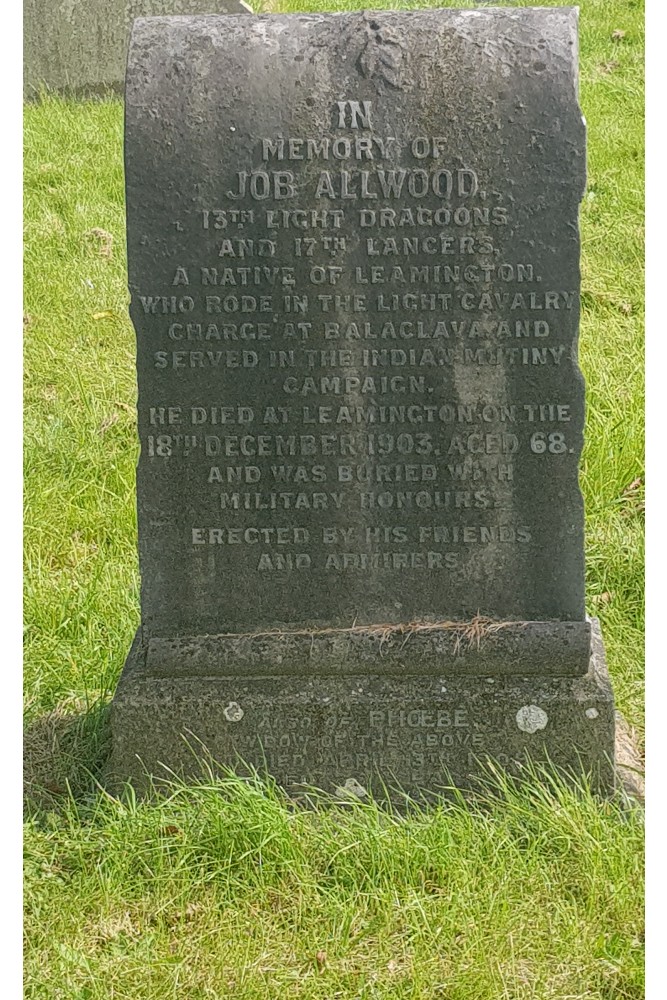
{"type": "Point", "coordinates": [354, 265]}
{"type": "Point", "coordinates": [79, 47]}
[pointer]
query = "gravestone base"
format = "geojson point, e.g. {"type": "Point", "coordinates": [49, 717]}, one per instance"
{"type": "Point", "coordinates": [364, 733]}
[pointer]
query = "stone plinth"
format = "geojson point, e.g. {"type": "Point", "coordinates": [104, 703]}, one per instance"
{"type": "Point", "coordinates": [413, 734]}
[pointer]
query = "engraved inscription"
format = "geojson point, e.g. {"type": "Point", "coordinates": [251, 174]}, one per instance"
{"type": "Point", "coordinates": [365, 742]}
{"type": "Point", "coordinates": [382, 471]}
{"type": "Point", "coordinates": [359, 353]}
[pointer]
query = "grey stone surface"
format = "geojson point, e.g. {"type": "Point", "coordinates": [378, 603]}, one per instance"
{"type": "Point", "coordinates": [80, 46]}
{"type": "Point", "coordinates": [353, 260]}
{"type": "Point", "coordinates": [414, 734]}
{"type": "Point", "coordinates": [376, 465]}
{"type": "Point", "coordinates": [478, 647]}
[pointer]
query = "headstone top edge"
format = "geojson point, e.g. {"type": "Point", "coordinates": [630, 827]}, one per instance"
{"type": "Point", "coordinates": [561, 23]}
{"type": "Point", "coordinates": [560, 13]}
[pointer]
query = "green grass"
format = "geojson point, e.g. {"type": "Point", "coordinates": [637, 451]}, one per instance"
{"type": "Point", "coordinates": [225, 891]}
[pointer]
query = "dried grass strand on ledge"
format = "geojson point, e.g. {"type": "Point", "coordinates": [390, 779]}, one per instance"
{"type": "Point", "coordinates": [470, 632]}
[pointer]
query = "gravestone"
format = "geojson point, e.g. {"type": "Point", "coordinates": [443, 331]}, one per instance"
{"type": "Point", "coordinates": [79, 47]}
{"type": "Point", "coordinates": [354, 267]}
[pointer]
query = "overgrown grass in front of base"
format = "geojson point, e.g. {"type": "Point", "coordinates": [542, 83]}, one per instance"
{"type": "Point", "coordinates": [224, 891]}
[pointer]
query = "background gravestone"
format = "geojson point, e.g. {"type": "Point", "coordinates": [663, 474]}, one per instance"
{"type": "Point", "coordinates": [80, 46]}
{"type": "Point", "coordinates": [354, 266]}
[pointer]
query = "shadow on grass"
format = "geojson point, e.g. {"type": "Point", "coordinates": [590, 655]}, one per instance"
{"type": "Point", "coordinates": [629, 760]}
{"type": "Point", "coordinates": [64, 752]}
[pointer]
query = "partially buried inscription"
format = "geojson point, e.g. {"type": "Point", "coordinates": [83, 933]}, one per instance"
{"type": "Point", "coordinates": [354, 265]}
